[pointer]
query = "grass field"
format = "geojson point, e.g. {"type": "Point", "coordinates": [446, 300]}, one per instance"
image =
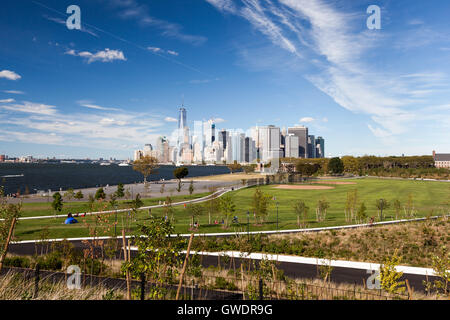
{"type": "Point", "coordinates": [429, 198]}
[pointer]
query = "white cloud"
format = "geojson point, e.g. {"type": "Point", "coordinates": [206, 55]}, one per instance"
{"type": "Point", "coordinates": [306, 119]}
{"type": "Point", "coordinates": [30, 107]}
{"type": "Point", "coordinates": [88, 104]}
{"type": "Point", "coordinates": [10, 75]}
{"type": "Point", "coordinates": [13, 91]}
{"type": "Point", "coordinates": [170, 119]}
{"type": "Point", "coordinates": [223, 5]}
{"type": "Point", "coordinates": [173, 53]}
{"type": "Point", "coordinates": [154, 49]}
{"type": "Point", "coordinates": [7, 100]}
{"type": "Point", "coordinates": [159, 50]}
{"type": "Point", "coordinates": [106, 55]}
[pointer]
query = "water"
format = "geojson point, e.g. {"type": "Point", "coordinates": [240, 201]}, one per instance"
{"type": "Point", "coordinates": [20, 176]}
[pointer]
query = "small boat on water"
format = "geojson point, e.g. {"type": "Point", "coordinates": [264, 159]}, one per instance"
{"type": "Point", "coordinates": [13, 176]}
{"type": "Point", "coordinates": [124, 164]}
{"type": "Point", "coordinates": [105, 163]}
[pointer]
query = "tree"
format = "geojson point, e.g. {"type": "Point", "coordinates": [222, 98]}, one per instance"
{"type": "Point", "coordinates": [397, 207]}
{"type": "Point", "coordinates": [79, 195]}
{"type": "Point", "coordinates": [120, 192]}
{"type": "Point", "coordinates": [57, 203]}
{"type": "Point", "coordinates": [162, 189]}
{"type": "Point", "coordinates": [100, 194]}
{"type": "Point", "coordinates": [441, 267]}
{"type": "Point", "coordinates": [227, 207]}
{"type": "Point", "coordinates": [8, 212]}
{"type": "Point", "coordinates": [389, 276]}
{"type": "Point", "coordinates": [194, 210]}
{"type": "Point", "coordinates": [191, 187]}
{"type": "Point", "coordinates": [336, 166]}
{"type": "Point", "coordinates": [409, 209]}
{"type": "Point", "coordinates": [260, 204]}
{"type": "Point", "coordinates": [180, 173]}
{"type": "Point", "coordinates": [321, 210]}
{"type": "Point", "coordinates": [350, 205]}
{"type": "Point", "coordinates": [307, 169]}
{"type": "Point", "coordinates": [168, 209]}
{"type": "Point", "coordinates": [382, 204]}
{"type": "Point", "coordinates": [301, 209]}
{"type": "Point", "coordinates": [249, 169]}
{"type": "Point", "coordinates": [146, 166]}
{"type": "Point", "coordinates": [234, 166]}
{"type": "Point", "coordinates": [361, 215]}
{"type": "Point", "coordinates": [212, 206]}
{"type": "Point", "coordinates": [69, 194]}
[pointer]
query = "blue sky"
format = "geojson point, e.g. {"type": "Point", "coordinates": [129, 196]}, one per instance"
{"type": "Point", "coordinates": [117, 83]}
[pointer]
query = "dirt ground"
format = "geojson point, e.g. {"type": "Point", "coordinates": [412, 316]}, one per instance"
{"type": "Point", "coordinates": [332, 182]}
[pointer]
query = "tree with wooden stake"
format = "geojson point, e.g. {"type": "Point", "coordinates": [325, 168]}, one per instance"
{"type": "Point", "coordinates": [180, 173]}
{"type": "Point", "coordinates": [194, 210]}
{"type": "Point", "coordinates": [321, 210]}
{"type": "Point", "coordinates": [382, 204]}
{"type": "Point", "coordinates": [227, 208]}
{"type": "Point", "coordinates": [146, 166]}
{"type": "Point", "coordinates": [301, 209]}
{"type": "Point", "coordinates": [57, 203]}
{"type": "Point", "coordinates": [191, 187]}
{"type": "Point", "coordinates": [8, 217]}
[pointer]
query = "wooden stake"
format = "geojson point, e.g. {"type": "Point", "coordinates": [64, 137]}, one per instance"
{"type": "Point", "coordinates": [410, 291]}
{"type": "Point", "coordinates": [242, 280]}
{"type": "Point", "coordinates": [5, 250]}
{"type": "Point", "coordinates": [184, 266]}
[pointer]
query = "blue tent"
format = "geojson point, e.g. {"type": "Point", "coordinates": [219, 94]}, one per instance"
{"type": "Point", "coordinates": [70, 220]}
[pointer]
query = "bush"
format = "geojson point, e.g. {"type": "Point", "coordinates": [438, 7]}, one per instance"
{"type": "Point", "coordinates": [17, 262]}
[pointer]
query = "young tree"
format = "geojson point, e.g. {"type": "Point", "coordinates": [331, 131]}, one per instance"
{"type": "Point", "coordinates": [120, 192]}
{"type": "Point", "coordinates": [8, 215]}
{"type": "Point", "coordinates": [146, 166]}
{"type": "Point", "coordinates": [180, 173]}
{"type": "Point", "coordinates": [336, 166]}
{"type": "Point", "coordinates": [409, 209]}
{"type": "Point", "coordinates": [390, 277]}
{"type": "Point", "coordinates": [194, 210]}
{"type": "Point", "coordinates": [191, 187]}
{"type": "Point", "coordinates": [79, 195]}
{"type": "Point", "coordinates": [350, 205]}
{"type": "Point", "coordinates": [100, 194]}
{"type": "Point", "coordinates": [361, 215]}
{"type": "Point", "coordinates": [441, 267]}
{"type": "Point", "coordinates": [168, 209]}
{"type": "Point", "coordinates": [227, 207]}
{"type": "Point", "coordinates": [260, 204]}
{"type": "Point", "coordinates": [321, 210]}
{"type": "Point", "coordinates": [234, 166]}
{"type": "Point", "coordinates": [69, 194]}
{"type": "Point", "coordinates": [397, 207]}
{"type": "Point", "coordinates": [249, 169]}
{"type": "Point", "coordinates": [57, 203]}
{"type": "Point", "coordinates": [301, 209]}
{"type": "Point", "coordinates": [382, 204]}
{"type": "Point", "coordinates": [162, 189]}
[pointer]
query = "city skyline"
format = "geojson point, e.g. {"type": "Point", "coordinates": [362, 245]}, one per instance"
{"type": "Point", "coordinates": [113, 86]}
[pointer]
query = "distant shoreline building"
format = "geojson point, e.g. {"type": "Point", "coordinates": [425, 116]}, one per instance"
{"type": "Point", "coordinates": [441, 160]}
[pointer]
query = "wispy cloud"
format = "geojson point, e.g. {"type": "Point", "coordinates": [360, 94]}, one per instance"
{"type": "Point", "coordinates": [10, 75]}
{"type": "Point", "coordinates": [159, 50]}
{"type": "Point", "coordinates": [30, 107]}
{"type": "Point", "coordinates": [7, 100]}
{"type": "Point", "coordinates": [131, 9]}
{"type": "Point", "coordinates": [88, 104]}
{"type": "Point", "coordinates": [106, 55]}
{"type": "Point", "coordinates": [306, 119]}
{"type": "Point", "coordinates": [336, 48]}
{"type": "Point", "coordinates": [13, 91]}
{"type": "Point", "coordinates": [170, 119]}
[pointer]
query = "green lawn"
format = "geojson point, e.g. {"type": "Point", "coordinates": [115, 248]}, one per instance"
{"type": "Point", "coordinates": [427, 196]}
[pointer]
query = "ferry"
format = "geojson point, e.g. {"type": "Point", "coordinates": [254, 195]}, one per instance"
{"type": "Point", "coordinates": [123, 164]}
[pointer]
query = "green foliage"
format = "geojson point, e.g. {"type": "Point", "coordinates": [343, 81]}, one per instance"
{"type": "Point", "coordinates": [336, 166]}
{"type": "Point", "coordinates": [390, 277]}
{"type": "Point", "coordinates": [227, 207]}
{"type": "Point", "coordinates": [222, 283]}
{"type": "Point", "coordinates": [191, 187]}
{"type": "Point", "coordinates": [301, 209]}
{"type": "Point", "coordinates": [249, 168]}
{"type": "Point", "coordinates": [321, 209]}
{"type": "Point", "coordinates": [381, 205]}
{"type": "Point", "coordinates": [441, 267]}
{"type": "Point", "coordinates": [120, 192]}
{"type": "Point", "coordinates": [194, 210]}
{"type": "Point", "coordinates": [57, 203]}
{"type": "Point", "coordinates": [307, 169]}
{"type": "Point", "coordinates": [260, 204]}
{"type": "Point", "coordinates": [180, 173]}
{"type": "Point", "coordinates": [361, 215]}
{"type": "Point", "coordinates": [100, 194]}
{"type": "Point", "coordinates": [158, 254]}
{"type": "Point", "coordinates": [146, 166]}
{"type": "Point", "coordinates": [234, 166]}
{"type": "Point", "coordinates": [79, 195]}
{"type": "Point", "coordinates": [69, 194]}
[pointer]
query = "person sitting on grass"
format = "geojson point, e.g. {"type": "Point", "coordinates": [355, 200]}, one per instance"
{"type": "Point", "coordinates": [70, 219]}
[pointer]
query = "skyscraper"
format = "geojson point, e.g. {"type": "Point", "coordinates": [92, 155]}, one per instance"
{"type": "Point", "coordinates": [291, 146]}
{"type": "Point", "coordinates": [302, 133]}
{"type": "Point", "coordinates": [320, 147]}
{"type": "Point", "coordinates": [311, 147]}
{"type": "Point", "coordinates": [181, 126]}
